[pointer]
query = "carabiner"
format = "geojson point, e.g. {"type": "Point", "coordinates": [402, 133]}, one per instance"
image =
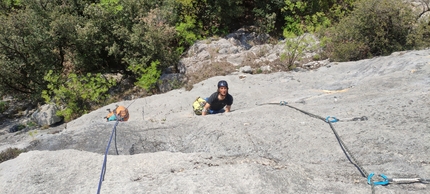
{"type": "Point", "coordinates": [333, 120]}
{"type": "Point", "coordinates": [384, 182]}
{"type": "Point", "coordinates": [283, 103]}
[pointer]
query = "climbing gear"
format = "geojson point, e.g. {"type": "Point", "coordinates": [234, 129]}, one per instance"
{"type": "Point", "coordinates": [120, 117]}
{"type": "Point", "coordinates": [198, 105]}
{"type": "Point", "coordinates": [363, 118]}
{"type": "Point", "coordinates": [333, 120]}
{"type": "Point", "coordinates": [102, 175]}
{"type": "Point", "coordinates": [409, 180]}
{"type": "Point", "coordinates": [351, 158]}
{"type": "Point", "coordinates": [384, 182]}
{"type": "Point", "coordinates": [342, 145]}
{"type": "Point", "coordinates": [222, 83]}
{"type": "Point", "coordinates": [283, 103]}
{"type": "Point", "coordinates": [119, 110]}
{"type": "Point", "coordinates": [387, 180]}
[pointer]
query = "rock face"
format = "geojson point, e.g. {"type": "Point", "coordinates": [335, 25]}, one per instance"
{"type": "Point", "coordinates": [256, 148]}
{"type": "Point", "coordinates": [239, 49]}
{"type": "Point", "coordinates": [46, 115]}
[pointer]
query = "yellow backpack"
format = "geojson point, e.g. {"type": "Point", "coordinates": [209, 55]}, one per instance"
{"type": "Point", "coordinates": [198, 105]}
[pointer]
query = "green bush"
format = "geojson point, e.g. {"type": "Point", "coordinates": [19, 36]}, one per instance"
{"type": "Point", "coordinates": [295, 48]}
{"type": "Point", "coordinates": [149, 76]}
{"type": "Point", "coordinates": [374, 27]}
{"type": "Point", "coordinates": [419, 38]}
{"type": "Point", "coordinates": [3, 106]}
{"type": "Point", "coordinates": [31, 124]}
{"type": "Point", "coordinates": [10, 153]}
{"type": "Point", "coordinates": [302, 16]}
{"type": "Point", "coordinates": [77, 94]}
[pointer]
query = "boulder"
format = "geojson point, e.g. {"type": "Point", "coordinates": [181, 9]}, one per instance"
{"type": "Point", "coordinates": [171, 81]}
{"type": "Point", "coordinates": [246, 69]}
{"type": "Point", "coordinates": [46, 115]}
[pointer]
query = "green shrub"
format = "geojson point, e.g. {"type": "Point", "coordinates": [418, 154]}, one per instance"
{"type": "Point", "coordinates": [295, 48]}
{"type": "Point", "coordinates": [21, 127]}
{"type": "Point", "coordinates": [31, 124]}
{"type": "Point", "coordinates": [3, 106]}
{"type": "Point", "coordinates": [10, 153]}
{"type": "Point", "coordinates": [77, 94]}
{"type": "Point", "coordinates": [148, 76]}
{"type": "Point", "coordinates": [259, 71]}
{"type": "Point", "coordinates": [307, 16]}
{"type": "Point", "coordinates": [33, 134]}
{"type": "Point", "coordinates": [185, 32]}
{"type": "Point", "coordinates": [419, 38]}
{"type": "Point", "coordinates": [374, 27]}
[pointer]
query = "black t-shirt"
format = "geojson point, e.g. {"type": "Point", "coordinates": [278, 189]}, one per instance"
{"type": "Point", "coordinates": [217, 104]}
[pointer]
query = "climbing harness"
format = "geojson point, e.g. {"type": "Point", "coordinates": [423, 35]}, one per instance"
{"type": "Point", "coordinates": [351, 158]}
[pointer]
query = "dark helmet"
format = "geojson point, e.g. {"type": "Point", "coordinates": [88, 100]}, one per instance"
{"type": "Point", "coordinates": [222, 83]}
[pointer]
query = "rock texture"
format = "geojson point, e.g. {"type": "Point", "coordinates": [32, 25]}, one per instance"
{"type": "Point", "coordinates": [46, 115]}
{"type": "Point", "coordinates": [256, 148]}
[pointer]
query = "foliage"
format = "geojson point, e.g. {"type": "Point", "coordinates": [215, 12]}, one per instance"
{"type": "Point", "coordinates": [25, 44]}
{"type": "Point", "coordinates": [31, 124]}
{"type": "Point", "coordinates": [33, 134]}
{"type": "Point", "coordinates": [375, 27]}
{"type": "Point", "coordinates": [149, 75]}
{"type": "Point", "coordinates": [6, 6]}
{"type": "Point", "coordinates": [295, 47]}
{"type": "Point", "coordinates": [186, 34]}
{"type": "Point", "coordinates": [20, 127]}
{"type": "Point", "coordinates": [77, 93]}
{"type": "Point", "coordinates": [150, 40]}
{"type": "Point", "coordinates": [141, 38]}
{"type": "Point", "coordinates": [419, 37]}
{"type": "Point", "coordinates": [3, 106]}
{"type": "Point", "coordinates": [313, 15]}
{"type": "Point", "coordinates": [10, 153]}
{"type": "Point", "coordinates": [268, 16]}
{"type": "Point", "coordinates": [112, 6]}
{"type": "Point", "coordinates": [212, 17]}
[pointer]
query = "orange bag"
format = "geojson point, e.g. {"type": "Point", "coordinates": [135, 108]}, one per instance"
{"type": "Point", "coordinates": [120, 111]}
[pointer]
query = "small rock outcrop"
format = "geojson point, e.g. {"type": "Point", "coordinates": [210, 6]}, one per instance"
{"type": "Point", "coordinates": [46, 115]}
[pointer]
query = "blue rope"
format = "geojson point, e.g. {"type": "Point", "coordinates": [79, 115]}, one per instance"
{"type": "Point", "coordinates": [102, 175]}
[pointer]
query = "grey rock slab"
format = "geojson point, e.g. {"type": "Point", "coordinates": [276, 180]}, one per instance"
{"type": "Point", "coordinates": [256, 148]}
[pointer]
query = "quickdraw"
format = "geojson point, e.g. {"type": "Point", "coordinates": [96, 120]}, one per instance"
{"type": "Point", "coordinates": [387, 180]}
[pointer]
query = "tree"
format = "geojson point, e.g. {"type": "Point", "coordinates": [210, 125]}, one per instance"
{"type": "Point", "coordinates": [311, 16]}
{"type": "Point", "coordinates": [26, 53]}
{"type": "Point", "coordinates": [419, 36]}
{"type": "Point", "coordinates": [374, 27]}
